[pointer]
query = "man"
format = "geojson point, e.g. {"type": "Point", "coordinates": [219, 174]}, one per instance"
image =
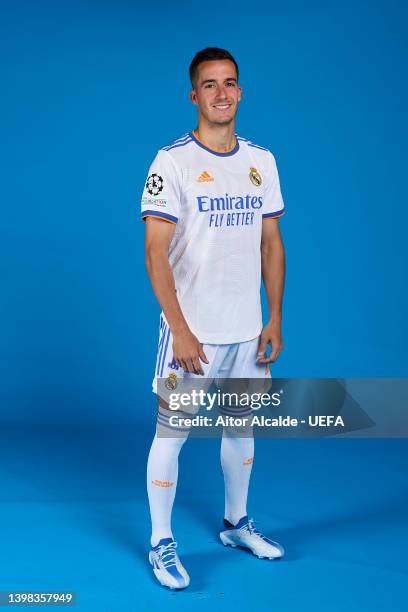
{"type": "Point", "coordinates": [211, 204]}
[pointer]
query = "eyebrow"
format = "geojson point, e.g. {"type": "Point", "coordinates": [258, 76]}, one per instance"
{"type": "Point", "coordinates": [214, 80]}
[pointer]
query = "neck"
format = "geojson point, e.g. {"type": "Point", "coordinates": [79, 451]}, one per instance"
{"type": "Point", "coordinates": [220, 138]}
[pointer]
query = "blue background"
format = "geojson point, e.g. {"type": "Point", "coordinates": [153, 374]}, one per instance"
{"type": "Point", "coordinates": [91, 90]}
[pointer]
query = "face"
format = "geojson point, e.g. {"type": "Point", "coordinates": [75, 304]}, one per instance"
{"type": "Point", "coordinates": [216, 92]}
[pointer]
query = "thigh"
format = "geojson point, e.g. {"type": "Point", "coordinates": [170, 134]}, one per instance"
{"type": "Point", "coordinates": [245, 364]}
{"type": "Point", "coordinates": [170, 378]}
{"type": "Point", "coordinates": [242, 373]}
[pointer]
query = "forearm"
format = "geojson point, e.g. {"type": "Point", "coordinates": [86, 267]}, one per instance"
{"type": "Point", "coordinates": [273, 275]}
{"type": "Point", "coordinates": [162, 280]}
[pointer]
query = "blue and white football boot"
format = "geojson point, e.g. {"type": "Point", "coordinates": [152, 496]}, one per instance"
{"type": "Point", "coordinates": [167, 566]}
{"type": "Point", "coordinates": [244, 534]}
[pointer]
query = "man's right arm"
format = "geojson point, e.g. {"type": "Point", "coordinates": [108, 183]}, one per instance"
{"type": "Point", "coordinates": [187, 350]}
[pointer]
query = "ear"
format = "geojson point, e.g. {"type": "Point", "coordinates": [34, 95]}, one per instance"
{"type": "Point", "coordinates": [193, 96]}
{"type": "Point", "coordinates": [240, 93]}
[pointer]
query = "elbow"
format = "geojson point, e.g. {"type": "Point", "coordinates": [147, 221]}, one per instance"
{"type": "Point", "coordinates": [266, 251]}
{"type": "Point", "coordinates": [149, 259]}
{"type": "Point", "coordinates": [154, 258]}
{"type": "Point", "coordinates": [271, 246]}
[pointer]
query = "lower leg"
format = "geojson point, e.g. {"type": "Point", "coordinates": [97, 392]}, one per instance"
{"type": "Point", "coordinates": [162, 474]}
{"type": "Point", "coordinates": [236, 461]}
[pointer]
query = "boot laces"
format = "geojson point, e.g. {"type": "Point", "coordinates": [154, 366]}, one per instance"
{"type": "Point", "coordinates": [249, 528]}
{"type": "Point", "coordinates": [167, 554]}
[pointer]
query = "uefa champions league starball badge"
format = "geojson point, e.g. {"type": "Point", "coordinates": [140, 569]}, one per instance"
{"type": "Point", "coordinates": [154, 184]}
{"type": "Point", "coordinates": [256, 178]}
{"type": "Point", "coordinates": [171, 382]}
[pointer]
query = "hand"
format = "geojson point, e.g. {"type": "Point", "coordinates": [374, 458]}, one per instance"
{"type": "Point", "coordinates": [187, 352]}
{"type": "Point", "coordinates": [271, 334]}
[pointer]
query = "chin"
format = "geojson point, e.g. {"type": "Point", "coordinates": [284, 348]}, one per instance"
{"type": "Point", "coordinates": [223, 120]}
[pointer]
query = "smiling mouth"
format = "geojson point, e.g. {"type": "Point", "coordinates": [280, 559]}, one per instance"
{"type": "Point", "coordinates": [222, 106]}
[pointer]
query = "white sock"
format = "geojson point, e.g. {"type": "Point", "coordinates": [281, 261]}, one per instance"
{"type": "Point", "coordinates": [237, 455]}
{"type": "Point", "coordinates": [162, 473]}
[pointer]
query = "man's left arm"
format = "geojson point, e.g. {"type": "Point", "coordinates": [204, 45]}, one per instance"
{"type": "Point", "coordinates": [273, 275]}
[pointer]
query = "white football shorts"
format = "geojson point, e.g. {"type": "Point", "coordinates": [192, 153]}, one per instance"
{"type": "Point", "coordinates": [225, 361]}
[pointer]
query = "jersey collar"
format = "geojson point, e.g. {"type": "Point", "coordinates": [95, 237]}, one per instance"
{"type": "Point", "coordinates": [226, 154]}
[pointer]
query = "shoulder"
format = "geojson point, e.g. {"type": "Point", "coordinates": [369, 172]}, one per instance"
{"type": "Point", "coordinates": [263, 151]}
{"type": "Point", "coordinates": [173, 154]}
{"type": "Point", "coordinates": [180, 144]}
{"type": "Point", "coordinates": [261, 155]}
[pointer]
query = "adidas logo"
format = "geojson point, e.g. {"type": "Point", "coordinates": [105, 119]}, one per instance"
{"type": "Point", "coordinates": [205, 177]}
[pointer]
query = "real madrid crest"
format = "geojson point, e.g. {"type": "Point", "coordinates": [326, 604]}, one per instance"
{"type": "Point", "coordinates": [171, 382]}
{"type": "Point", "coordinates": [256, 178]}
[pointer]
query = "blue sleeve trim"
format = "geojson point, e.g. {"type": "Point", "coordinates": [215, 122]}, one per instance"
{"type": "Point", "coordinates": [162, 215]}
{"type": "Point", "coordinates": [278, 213]}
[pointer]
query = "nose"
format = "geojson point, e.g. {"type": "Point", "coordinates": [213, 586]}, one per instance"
{"type": "Point", "coordinates": [222, 92]}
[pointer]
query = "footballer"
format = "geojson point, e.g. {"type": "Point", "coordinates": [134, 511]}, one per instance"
{"type": "Point", "coordinates": [211, 204]}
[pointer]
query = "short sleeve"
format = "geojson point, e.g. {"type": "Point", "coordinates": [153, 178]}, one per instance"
{"type": "Point", "coordinates": [162, 190]}
{"type": "Point", "coordinates": [273, 206]}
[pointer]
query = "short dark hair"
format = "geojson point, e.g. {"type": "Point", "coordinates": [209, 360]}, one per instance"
{"type": "Point", "coordinates": [209, 54]}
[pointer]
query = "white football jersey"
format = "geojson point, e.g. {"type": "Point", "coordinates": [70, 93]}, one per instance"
{"type": "Point", "coordinates": [217, 201]}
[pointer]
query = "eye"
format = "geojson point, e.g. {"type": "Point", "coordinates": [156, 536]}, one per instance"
{"type": "Point", "coordinates": [231, 84]}
{"type": "Point", "coordinates": [208, 85]}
